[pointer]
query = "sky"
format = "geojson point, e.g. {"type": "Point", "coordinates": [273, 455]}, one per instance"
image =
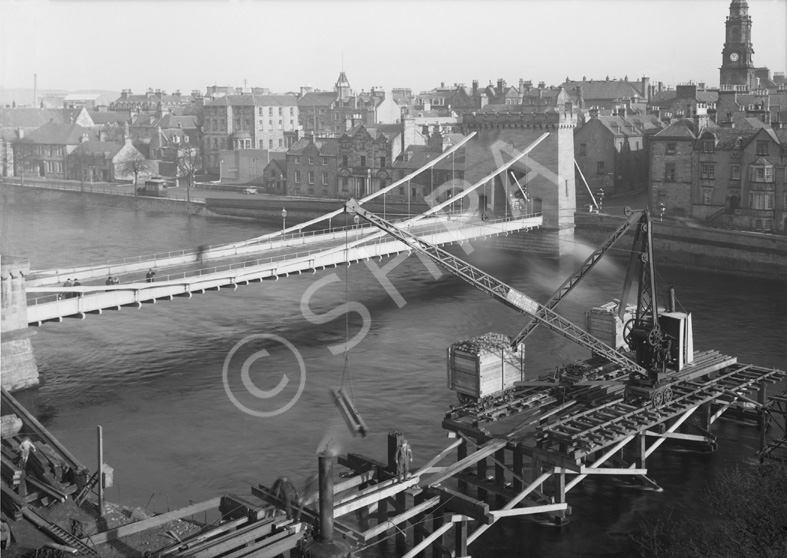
{"type": "Point", "coordinates": [282, 45]}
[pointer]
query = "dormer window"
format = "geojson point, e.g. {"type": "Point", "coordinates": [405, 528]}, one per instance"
{"type": "Point", "coordinates": [708, 146]}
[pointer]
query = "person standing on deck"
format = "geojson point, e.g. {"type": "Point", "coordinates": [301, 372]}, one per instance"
{"type": "Point", "coordinates": [404, 456]}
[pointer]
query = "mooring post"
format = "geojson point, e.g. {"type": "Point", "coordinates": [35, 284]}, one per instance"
{"type": "Point", "coordinates": [460, 546]}
{"type": "Point", "coordinates": [641, 448]}
{"type": "Point", "coordinates": [762, 397]}
{"type": "Point", "coordinates": [481, 474]}
{"type": "Point", "coordinates": [518, 470]}
{"type": "Point", "coordinates": [437, 522]}
{"type": "Point", "coordinates": [418, 519]}
{"type": "Point", "coordinates": [401, 532]}
{"type": "Point", "coordinates": [461, 453]}
{"type": "Point", "coordinates": [560, 495]}
{"type": "Point", "coordinates": [100, 472]}
{"type": "Point", "coordinates": [500, 473]}
{"type": "Point", "coordinates": [382, 517]}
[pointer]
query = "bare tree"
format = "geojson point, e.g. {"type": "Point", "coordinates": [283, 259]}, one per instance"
{"type": "Point", "coordinates": [188, 162]}
{"type": "Point", "coordinates": [136, 165]}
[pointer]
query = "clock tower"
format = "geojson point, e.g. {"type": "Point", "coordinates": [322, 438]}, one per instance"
{"type": "Point", "coordinates": [736, 63]}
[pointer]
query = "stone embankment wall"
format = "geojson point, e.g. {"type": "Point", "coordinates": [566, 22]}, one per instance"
{"type": "Point", "coordinates": [14, 192]}
{"type": "Point", "coordinates": [679, 243]}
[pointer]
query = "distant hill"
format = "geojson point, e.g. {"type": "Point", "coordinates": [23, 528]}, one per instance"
{"type": "Point", "coordinates": [24, 96]}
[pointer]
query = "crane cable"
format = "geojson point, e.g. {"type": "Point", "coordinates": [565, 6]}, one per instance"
{"type": "Point", "coordinates": [346, 371]}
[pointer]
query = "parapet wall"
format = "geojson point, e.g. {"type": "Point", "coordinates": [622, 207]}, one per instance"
{"type": "Point", "coordinates": [738, 252]}
{"type": "Point", "coordinates": [17, 363]}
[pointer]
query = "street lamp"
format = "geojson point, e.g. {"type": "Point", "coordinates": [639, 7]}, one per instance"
{"type": "Point", "coordinates": [283, 218]}
{"type": "Point", "coordinates": [600, 195]}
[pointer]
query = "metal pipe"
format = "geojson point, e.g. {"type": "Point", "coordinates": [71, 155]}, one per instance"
{"type": "Point", "coordinates": [672, 305]}
{"type": "Point", "coordinates": [326, 496]}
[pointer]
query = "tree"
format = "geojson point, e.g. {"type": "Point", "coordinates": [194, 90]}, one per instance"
{"type": "Point", "coordinates": [21, 157]}
{"type": "Point", "coordinates": [188, 162]}
{"type": "Point", "coordinates": [135, 165]}
{"type": "Point", "coordinates": [748, 517]}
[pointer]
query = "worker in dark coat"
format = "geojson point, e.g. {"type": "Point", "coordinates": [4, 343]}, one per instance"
{"type": "Point", "coordinates": [149, 276]}
{"type": "Point", "coordinates": [284, 490]}
{"type": "Point", "coordinates": [404, 456]}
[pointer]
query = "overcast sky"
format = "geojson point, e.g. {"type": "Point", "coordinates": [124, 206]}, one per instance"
{"type": "Point", "coordinates": [186, 44]}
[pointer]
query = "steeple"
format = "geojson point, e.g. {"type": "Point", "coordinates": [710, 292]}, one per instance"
{"type": "Point", "coordinates": [737, 67]}
{"type": "Point", "coordinates": [342, 87]}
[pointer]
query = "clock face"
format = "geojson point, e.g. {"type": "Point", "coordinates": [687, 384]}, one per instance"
{"type": "Point", "coordinates": [734, 56]}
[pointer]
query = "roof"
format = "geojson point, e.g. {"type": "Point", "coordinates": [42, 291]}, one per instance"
{"type": "Point", "coordinates": [326, 147]}
{"type": "Point", "coordinates": [748, 122]}
{"type": "Point", "coordinates": [416, 156]}
{"type": "Point", "coordinates": [619, 126]}
{"type": "Point", "coordinates": [680, 129]}
{"type": "Point", "coordinates": [58, 134]}
{"type": "Point", "coordinates": [726, 138]}
{"type": "Point", "coordinates": [107, 116]}
{"type": "Point", "coordinates": [605, 89]}
{"type": "Point", "coordinates": [317, 99]}
{"type": "Point", "coordinates": [24, 117]}
{"type": "Point", "coordinates": [106, 148]}
{"type": "Point", "coordinates": [82, 96]}
{"type": "Point", "coordinates": [254, 100]}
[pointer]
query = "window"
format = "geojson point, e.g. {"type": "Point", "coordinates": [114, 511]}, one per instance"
{"type": "Point", "coordinates": [600, 168]}
{"type": "Point", "coordinates": [735, 172]}
{"type": "Point", "coordinates": [669, 172]}
{"type": "Point", "coordinates": [281, 142]}
{"type": "Point", "coordinates": [325, 160]}
{"type": "Point", "coordinates": [292, 111]}
{"type": "Point", "coordinates": [311, 160]}
{"type": "Point", "coordinates": [270, 111]}
{"type": "Point", "coordinates": [363, 160]}
{"type": "Point", "coordinates": [297, 160]}
{"type": "Point", "coordinates": [382, 162]}
{"type": "Point", "coordinates": [708, 146]}
{"type": "Point", "coordinates": [280, 111]}
{"type": "Point", "coordinates": [401, 192]}
{"type": "Point", "coordinates": [762, 148]}
{"type": "Point", "coordinates": [344, 184]}
{"type": "Point", "coordinates": [758, 224]}
{"type": "Point", "coordinates": [311, 177]}
{"type": "Point", "coordinates": [297, 177]}
{"type": "Point", "coordinates": [735, 155]}
{"type": "Point", "coordinates": [270, 144]}
{"type": "Point", "coordinates": [324, 178]}
{"type": "Point", "coordinates": [761, 200]}
{"type": "Point", "coordinates": [707, 194]}
{"type": "Point", "coordinates": [583, 149]}
{"type": "Point", "coordinates": [262, 144]}
{"type": "Point", "coordinates": [344, 160]}
{"type": "Point", "coordinates": [672, 148]}
{"type": "Point", "coordinates": [413, 192]}
{"type": "Point", "coordinates": [382, 183]}
{"type": "Point", "coordinates": [768, 225]}
{"type": "Point", "coordinates": [708, 171]}
{"type": "Point", "coordinates": [270, 124]}
{"type": "Point", "coordinates": [761, 173]}
{"type": "Point", "coordinates": [260, 111]}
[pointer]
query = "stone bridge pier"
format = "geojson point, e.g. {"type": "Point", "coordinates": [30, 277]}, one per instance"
{"type": "Point", "coordinates": [17, 362]}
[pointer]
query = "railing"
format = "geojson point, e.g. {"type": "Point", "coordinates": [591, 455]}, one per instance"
{"type": "Point", "coordinates": [189, 274]}
{"type": "Point", "coordinates": [716, 216]}
{"type": "Point", "coordinates": [90, 188]}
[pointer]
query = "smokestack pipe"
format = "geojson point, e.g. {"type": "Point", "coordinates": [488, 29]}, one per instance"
{"type": "Point", "coordinates": [326, 497]}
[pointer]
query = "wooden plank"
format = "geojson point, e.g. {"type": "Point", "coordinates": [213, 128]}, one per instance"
{"type": "Point", "coordinates": [428, 540]}
{"type": "Point", "coordinates": [130, 529]}
{"type": "Point", "coordinates": [383, 526]}
{"type": "Point", "coordinates": [529, 510]}
{"type": "Point", "coordinates": [437, 458]}
{"type": "Point", "coordinates": [192, 541]}
{"type": "Point", "coordinates": [462, 503]}
{"type": "Point", "coordinates": [484, 451]}
{"type": "Point", "coordinates": [42, 433]}
{"type": "Point", "coordinates": [347, 484]}
{"type": "Point", "coordinates": [232, 541]}
{"type": "Point", "coordinates": [374, 497]}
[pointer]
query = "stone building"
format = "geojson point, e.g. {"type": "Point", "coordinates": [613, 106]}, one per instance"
{"type": "Point", "coordinates": [311, 167]}
{"type": "Point", "coordinates": [44, 152]}
{"type": "Point", "coordinates": [547, 172]}
{"type": "Point", "coordinates": [102, 161]}
{"type": "Point", "coordinates": [366, 157]}
{"type": "Point", "coordinates": [731, 177]}
{"type": "Point", "coordinates": [267, 122]}
{"type": "Point", "coordinates": [612, 152]}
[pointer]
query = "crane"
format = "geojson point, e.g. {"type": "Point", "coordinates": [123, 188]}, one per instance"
{"type": "Point", "coordinates": [500, 291]}
{"type": "Point", "coordinates": [647, 372]}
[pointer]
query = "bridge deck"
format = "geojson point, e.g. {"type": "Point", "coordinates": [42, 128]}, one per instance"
{"type": "Point", "coordinates": [280, 262]}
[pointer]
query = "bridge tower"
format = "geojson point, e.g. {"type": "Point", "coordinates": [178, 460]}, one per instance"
{"type": "Point", "coordinates": [18, 364]}
{"type": "Point", "coordinates": [546, 174]}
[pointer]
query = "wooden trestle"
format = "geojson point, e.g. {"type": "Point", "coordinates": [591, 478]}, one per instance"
{"type": "Point", "coordinates": [519, 456]}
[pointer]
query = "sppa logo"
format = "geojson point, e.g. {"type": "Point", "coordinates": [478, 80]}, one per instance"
{"type": "Point", "coordinates": [258, 374]}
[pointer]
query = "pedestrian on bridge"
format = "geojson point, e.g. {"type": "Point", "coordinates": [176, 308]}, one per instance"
{"type": "Point", "coordinates": [110, 281]}
{"type": "Point", "coordinates": [149, 276]}
{"type": "Point", "coordinates": [66, 295]}
{"type": "Point", "coordinates": [76, 284]}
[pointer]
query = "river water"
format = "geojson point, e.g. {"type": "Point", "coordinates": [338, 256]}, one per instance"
{"type": "Point", "coordinates": [153, 378]}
